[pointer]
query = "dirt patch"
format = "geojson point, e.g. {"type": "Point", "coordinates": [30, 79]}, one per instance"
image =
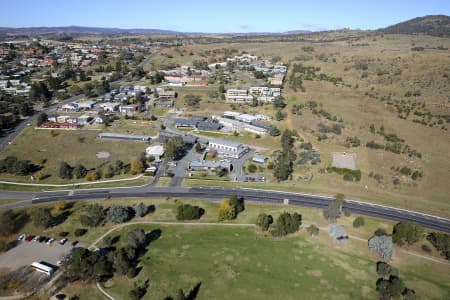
{"type": "Point", "coordinates": [315, 273]}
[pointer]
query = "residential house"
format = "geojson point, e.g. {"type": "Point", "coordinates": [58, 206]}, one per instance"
{"type": "Point", "coordinates": [128, 109]}
{"type": "Point", "coordinates": [109, 106]}
{"type": "Point", "coordinates": [84, 119]}
{"type": "Point", "coordinates": [167, 95]}
{"type": "Point", "coordinates": [86, 105]}
{"type": "Point", "coordinates": [159, 103]}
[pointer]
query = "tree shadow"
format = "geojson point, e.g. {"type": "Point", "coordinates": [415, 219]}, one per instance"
{"type": "Point", "coordinates": [151, 209]}
{"type": "Point", "coordinates": [61, 218]}
{"type": "Point", "coordinates": [115, 239]}
{"type": "Point", "coordinates": [194, 292]}
{"type": "Point", "coordinates": [152, 236]}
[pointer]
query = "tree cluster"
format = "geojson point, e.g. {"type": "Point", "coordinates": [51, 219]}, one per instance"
{"type": "Point", "coordinates": [175, 148]}
{"type": "Point", "coordinates": [287, 223]}
{"type": "Point", "coordinates": [383, 245]}
{"type": "Point", "coordinates": [406, 233]}
{"type": "Point", "coordinates": [390, 286]}
{"type": "Point", "coordinates": [88, 265]}
{"type": "Point", "coordinates": [119, 214]}
{"type": "Point", "coordinates": [283, 166]}
{"type": "Point", "coordinates": [441, 241]}
{"type": "Point", "coordinates": [92, 215]}
{"type": "Point", "coordinates": [12, 165]}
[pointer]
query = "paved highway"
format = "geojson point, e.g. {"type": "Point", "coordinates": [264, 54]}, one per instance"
{"type": "Point", "coordinates": [216, 194]}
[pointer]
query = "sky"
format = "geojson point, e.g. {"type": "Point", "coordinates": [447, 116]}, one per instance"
{"type": "Point", "coordinates": [218, 15]}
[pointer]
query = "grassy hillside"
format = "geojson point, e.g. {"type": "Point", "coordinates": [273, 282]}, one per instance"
{"type": "Point", "coordinates": [399, 82]}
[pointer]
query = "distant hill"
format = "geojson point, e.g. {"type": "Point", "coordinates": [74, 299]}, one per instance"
{"type": "Point", "coordinates": [32, 31]}
{"type": "Point", "coordinates": [437, 25]}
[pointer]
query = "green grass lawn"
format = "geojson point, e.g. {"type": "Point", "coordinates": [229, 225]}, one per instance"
{"type": "Point", "coordinates": [241, 263]}
{"type": "Point", "coordinates": [238, 263]}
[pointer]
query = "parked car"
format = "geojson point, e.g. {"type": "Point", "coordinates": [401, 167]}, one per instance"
{"type": "Point", "coordinates": [22, 237]}
{"type": "Point", "coordinates": [41, 239]}
{"type": "Point", "coordinates": [36, 238]}
{"type": "Point", "coordinates": [50, 241]}
{"type": "Point", "coordinates": [74, 243]}
{"type": "Point", "coordinates": [29, 238]}
{"type": "Point", "coordinates": [63, 241]}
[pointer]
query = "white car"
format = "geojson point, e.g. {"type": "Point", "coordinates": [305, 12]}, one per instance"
{"type": "Point", "coordinates": [50, 241]}
{"type": "Point", "coordinates": [36, 238]}
{"type": "Point", "coordinates": [63, 241]}
{"type": "Point", "coordinates": [22, 237]}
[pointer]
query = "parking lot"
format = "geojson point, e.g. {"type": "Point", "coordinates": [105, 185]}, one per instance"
{"type": "Point", "coordinates": [26, 253]}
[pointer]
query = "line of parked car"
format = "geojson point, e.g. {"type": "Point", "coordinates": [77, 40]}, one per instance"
{"type": "Point", "coordinates": [43, 239]}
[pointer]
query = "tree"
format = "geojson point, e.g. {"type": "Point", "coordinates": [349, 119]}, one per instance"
{"type": "Point", "coordinates": [238, 203]}
{"type": "Point", "coordinates": [384, 269]}
{"type": "Point", "coordinates": [382, 289]}
{"type": "Point", "coordinates": [358, 222]}
{"type": "Point", "coordinates": [226, 211]}
{"type": "Point", "coordinates": [12, 221]}
{"type": "Point", "coordinates": [406, 233]}
{"type": "Point", "coordinates": [41, 119]}
{"type": "Point", "coordinates": [92, 215]}
{"type": "Point", "coordinates": [60, 205]}
{"type": "Point", "coordinates": [175, 148]}
{"type": "Point", "coordinates": [312, 230]}
{"type": "Point", "coordinates": [42, 217]}
{"type": "Point", "coordinates": [192, 100]}
{"type": "Point", "coordinates": [141, 209]}
{"type": "Point", "coordinates": [79, 171]}
{"type": "Point", "coordinates": [198, 148]}
{"type": "Point", "coordinates": [119, 213]}
{"type": "Point", "coordinates": [65, 170]}
{"type": "Point", "coordinates": [409, 294]}
{"type": "Point", "coordinates": [136, 238]}
{"type": "Point", "coordinates": [189, 212]}
{"type": "Point", "coordinates": [92, 176]}
{"type": "Point", "coordinates": [383, 245]}
{"type": "Point", "coordinates": [138, 290]}
{"type": "Point", "coordinates": [441, 241]}
{"type": "Point", "coordinates": [136, 166]}
{"type": "Point", "coordinates": [264, 221]}
{"type": "Point", "coordinates": [396, 286]}
{"type": "Point", "coordinates": [80, 231]}
{"type": "Point", "coordinates": [274, 131]}
{"type": "Point", "coordinates": [287, 223]}
{"type": "Point", "coordinates": [117, 167]}
{"type": "Point", "coordinates": [88, 265]}
{"type": "Point", "coordinates": [108, 172]}
{"type": "Point", "coordinates": [279, 116]}
{"type": "Point", "coordinates": [331, 211]}
{"type": "Point", "coordinates": [121, 262]}
{"type": "Point", "coordinates": [252, 168]}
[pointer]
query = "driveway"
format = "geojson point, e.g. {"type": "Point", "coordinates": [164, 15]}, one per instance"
{"type": "Point", "coordinates": [239, 163]}
{"type": "Point", "coordinates": [180, 169]}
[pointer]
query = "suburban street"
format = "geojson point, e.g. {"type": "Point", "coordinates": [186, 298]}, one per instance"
{"type": "Point", "coordinates": [218, 193]}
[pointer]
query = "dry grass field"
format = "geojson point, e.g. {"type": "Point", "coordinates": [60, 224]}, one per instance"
{"type": "Point", "coordinates": [381, 75]}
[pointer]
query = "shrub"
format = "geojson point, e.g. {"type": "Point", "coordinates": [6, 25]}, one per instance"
{"type": "Point", "coordinates": [92, 176]}
{"type": "Point", "coordinates": [406, 233]}
{"type": "Point", "coordinates": [63, 233]}
{"type": "Point", "coordinates": [264, 221]}
{"type": "Point", "coordinates": [189, 212]}
{"type": "Point", "coordinates": [312, 230]}
{"type": "Point", "coordinates": [252, 168]}
{"type": "Point", "coordinates": [358, 222]}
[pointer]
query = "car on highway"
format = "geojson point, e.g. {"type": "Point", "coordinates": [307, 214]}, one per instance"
{"type": "Point", "coordinates": [63, 241]}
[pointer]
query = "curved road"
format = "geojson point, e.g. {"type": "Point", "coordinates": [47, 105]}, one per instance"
{"type": "Point", "coordinates": [217, 193]}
